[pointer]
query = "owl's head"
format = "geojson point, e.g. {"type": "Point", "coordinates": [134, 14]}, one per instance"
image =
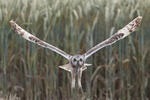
{"type": "Point", "coordinates": [77, 61]}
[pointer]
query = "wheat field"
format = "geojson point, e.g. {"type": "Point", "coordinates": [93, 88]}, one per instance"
{"type": "Point", "coordinates": [118, 72]}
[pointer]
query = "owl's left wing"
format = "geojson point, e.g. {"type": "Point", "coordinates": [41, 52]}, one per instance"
{"type": "Point", "coordinates": [26, 35]}
{"type": "Point", "coordinates": [122, 33]}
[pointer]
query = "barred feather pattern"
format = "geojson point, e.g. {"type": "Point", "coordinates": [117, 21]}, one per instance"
{"type": "Point", "coordinates": [26, 35]}
{"type": "Point", "coordinates": [122, 33]}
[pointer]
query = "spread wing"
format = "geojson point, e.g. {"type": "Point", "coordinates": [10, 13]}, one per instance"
{"type": "Point", "coordinates": [36, 40]}
{"type": "Point", "coordinates": [122, 33]}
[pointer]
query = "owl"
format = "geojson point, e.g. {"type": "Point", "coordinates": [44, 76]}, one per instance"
{"type": "Point", "coordinates": [77, 63]}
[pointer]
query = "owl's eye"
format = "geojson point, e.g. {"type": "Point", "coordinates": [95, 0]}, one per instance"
{"type": "Point", "coordinates": [81, 59]}
{"type": "Point", "coordinates": [74, 59]}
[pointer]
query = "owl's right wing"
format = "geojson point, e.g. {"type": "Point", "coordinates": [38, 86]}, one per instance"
{"type": "Point", "coordinates": [36, 40]}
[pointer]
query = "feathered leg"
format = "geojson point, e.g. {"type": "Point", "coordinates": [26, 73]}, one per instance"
{"type": "Point", "coordinates": [79, 78]}
{"type": "Point", "coordinates": [73, 79]}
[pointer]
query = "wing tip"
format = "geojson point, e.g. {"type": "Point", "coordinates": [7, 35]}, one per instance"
{"type": "Point", "coordinates": [140, 17]}
{"type": "Point", "coordinates": [138, 20]}
{"type": "Point", "coordinates": [12, 23]}
{"type": "Point", "coordinates": [133, 25]}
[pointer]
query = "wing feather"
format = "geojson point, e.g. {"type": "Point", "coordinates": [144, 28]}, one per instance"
{"type": "Point", "coordinates": [122, 33]}
{"type": "Point", "coordinates": [36, 40]}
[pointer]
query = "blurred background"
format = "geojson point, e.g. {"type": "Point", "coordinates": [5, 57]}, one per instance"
{"type": "Point", "coordinates": [118, 72]}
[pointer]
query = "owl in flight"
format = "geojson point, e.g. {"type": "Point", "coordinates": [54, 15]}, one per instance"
{"type": "Point", "coordinates": [77, 63]}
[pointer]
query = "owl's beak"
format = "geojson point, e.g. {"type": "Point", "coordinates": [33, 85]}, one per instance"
{"type": "Point", "coordinates": [77, 67]}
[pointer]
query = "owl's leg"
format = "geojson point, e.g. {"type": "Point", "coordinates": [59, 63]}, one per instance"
{"type": "Point", "coordinates": [73, 80]}
{"type": "Point", "coordinates": [79, 79]}
{"type": "Point", "coordinates": [79, 82]}
{"type": "Point", "coordinates": [80, 75]}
